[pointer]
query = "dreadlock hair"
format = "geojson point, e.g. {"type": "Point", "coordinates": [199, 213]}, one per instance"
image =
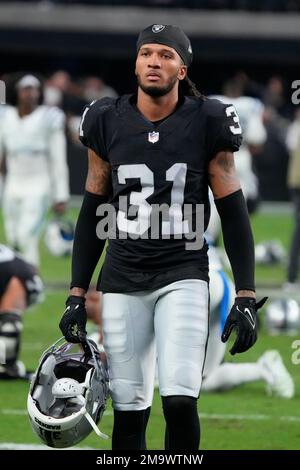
{"type": "Point", "coordinates": [188, 88]}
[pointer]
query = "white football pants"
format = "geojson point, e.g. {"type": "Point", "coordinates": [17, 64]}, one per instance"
{"type": "Point", "coordinates": [24, 211]}
{"type": "Point", "coordinates": [172, 322]}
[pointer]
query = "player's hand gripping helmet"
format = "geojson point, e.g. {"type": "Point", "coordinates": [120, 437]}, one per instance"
{"type": "Point", "coordinates": [68, 394]}
{"type": "Point", "coordinates": [59, 236]}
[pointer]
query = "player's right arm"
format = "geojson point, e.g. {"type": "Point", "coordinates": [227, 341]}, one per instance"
{"type": "Point", "coordinates": [98, 177]}
{"type": "Point", "coordinates": [87, 247]}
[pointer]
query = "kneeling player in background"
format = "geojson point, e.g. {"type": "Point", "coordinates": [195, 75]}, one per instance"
{"type": "Point", "coordinates": [219, 375]}
{"type": "Point", "coordinates": [20, 288]}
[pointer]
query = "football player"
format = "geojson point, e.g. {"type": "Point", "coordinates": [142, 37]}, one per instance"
{"type": "Point", "coordinates": [20, 288]}
{"type": "Point", "coordinates": [293, 181]}
{"type": "Point", "coordinates": [32, 139]}
{"type": "Point", "coordinates": [163, 145]}
{"type": "Point", "coordinates": [219, 375]}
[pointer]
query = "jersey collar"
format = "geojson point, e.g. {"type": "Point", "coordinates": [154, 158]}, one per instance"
{"type": "Point", "coordinates": [129, 113]}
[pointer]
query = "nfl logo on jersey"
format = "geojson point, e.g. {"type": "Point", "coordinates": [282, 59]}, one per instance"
{"type": "Point", "coordinates": [153, 137]}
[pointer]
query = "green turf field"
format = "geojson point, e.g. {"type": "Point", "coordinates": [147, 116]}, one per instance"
{"type": "Point", "coordinates": [245, 418]}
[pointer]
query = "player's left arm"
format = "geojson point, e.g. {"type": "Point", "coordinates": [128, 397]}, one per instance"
{"type": "Point", "coordinates": [58, 162]}
{"type": "Point", "coordinates": [239, 245]}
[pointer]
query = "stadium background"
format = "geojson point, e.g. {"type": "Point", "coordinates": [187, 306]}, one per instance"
{"type": "Point", "coordinates": [72, 44]}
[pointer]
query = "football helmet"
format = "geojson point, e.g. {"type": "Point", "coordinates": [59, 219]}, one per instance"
{"type": "Point", "coordinates": [283, 317]}
{"type": "Point", "coordinates": [59, 236]}
{"type": "Point", "coordinates": [68, 393]}
{"type": "Point", "coordinates": [269, 252]}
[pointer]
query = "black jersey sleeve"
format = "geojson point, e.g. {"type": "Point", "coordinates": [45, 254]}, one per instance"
{"type": "Point", "coordinates": [92, 126]}
{"type": "Point", "coordinates": [223, 128]}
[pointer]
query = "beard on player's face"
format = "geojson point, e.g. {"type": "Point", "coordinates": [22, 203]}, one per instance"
{"type": "Point", "coordinates": [156, 91]}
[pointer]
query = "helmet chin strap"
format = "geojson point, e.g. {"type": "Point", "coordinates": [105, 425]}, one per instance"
{"type": "Point", "coordinates": [90, 419]}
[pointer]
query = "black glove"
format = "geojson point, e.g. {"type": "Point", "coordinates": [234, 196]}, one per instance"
{"type": "Point", "coordinates": [243, 318]}
{"type": "Point", "coordinates": [73, 321]}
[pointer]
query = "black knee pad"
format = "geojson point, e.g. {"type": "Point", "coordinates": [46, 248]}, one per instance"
{"type": "Point", "coordinates": [10, 335]}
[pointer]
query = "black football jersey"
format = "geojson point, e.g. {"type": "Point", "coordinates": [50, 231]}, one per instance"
{"type": "Point", "coordinates": [154, 164]}
{"type": "Point", "coordinates": [12, 265]}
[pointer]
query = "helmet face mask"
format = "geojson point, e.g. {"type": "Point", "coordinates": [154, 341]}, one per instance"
{"type": "Point", "coordinates": [68, 394]}
{"type": "Point", "coordinates": [269, 253]}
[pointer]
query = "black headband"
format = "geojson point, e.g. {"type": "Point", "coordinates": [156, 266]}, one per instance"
{"type": "Point", "coordinates": [169, 35]}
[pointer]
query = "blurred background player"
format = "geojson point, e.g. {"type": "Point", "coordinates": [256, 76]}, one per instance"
{"type": "Point", "coordinates": [32, 139]}
{"type": "Point", "coordinates": [20, 288]}
{"type": "Point", "coordinates": [293, 143]}
{"type": "Point", "coordinates": [94, 313]}
{"type": "Point", "coordinates": [250, 112]}
{"type": "Point", "coordinates": [220, 375]}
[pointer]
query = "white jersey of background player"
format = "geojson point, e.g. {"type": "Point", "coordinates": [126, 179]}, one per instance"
{"type": "Point", "coordinates": [2, 112]}
{"type": "Point", "coordinates": [219, 375]}
{"type": "Point", "coordinates": [32, 138]}
{"type": "Point", "coordinates": [250, 112]}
